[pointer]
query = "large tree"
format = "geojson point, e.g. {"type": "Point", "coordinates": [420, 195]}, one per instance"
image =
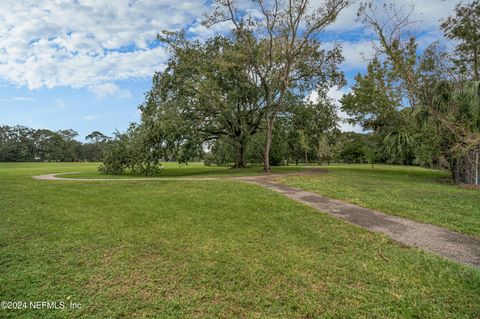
{"type": "Point", "coordinates": [280, 41]}
{"type": "Point", "coordinates": [311, 121]}
{"type": "Point", "coordinates": [374, 101]}
{"type": "Point", "coordinates": [204, 94]}
{"type": "Point", "coordinates": [436, 93]}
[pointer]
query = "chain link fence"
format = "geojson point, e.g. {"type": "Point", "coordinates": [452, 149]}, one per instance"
{"type": "Point", "coordinates": [468, 167]}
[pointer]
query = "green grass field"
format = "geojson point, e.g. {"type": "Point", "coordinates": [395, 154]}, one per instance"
{"type": "Point", "coordinates": [208, 249]}
{"type": "Point", "coordinates": [196, 169]}
{"type": "Point", "coordinates": [410, 192]}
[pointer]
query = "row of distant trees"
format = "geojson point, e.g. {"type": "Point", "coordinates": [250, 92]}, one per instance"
{"type": "Point", "coordinates": [294, 142]}
{"type": "Point", "coordinates": [23, 144]}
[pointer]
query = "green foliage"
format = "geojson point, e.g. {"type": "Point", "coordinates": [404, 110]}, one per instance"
{"type": "Point", "coordinates": [223, 151]}
{"type": "Point", "coordinates": [463, 27]}
{"type": "Point", "coordinates": [400, 146]}
{"type": "Point", "coordinates": [281, 47]}
{"type": "Point", "coordinates": [208, 159]}
{"type": "Point", "coordinates": [204, 94]}
{"type": "Point", "coordinates": [374, 100]}
{"type": "Point", "coordinates": [469, 100]}
{"type": "Point", "coordinates": [132, 150]}
{"type": "Point", "coordinates": [350, 147]}
{"type": "Point", "coordinates": [278, 152]}
{"type": "Point", "coordinates": [115, 158]}
{"type": "Point", "coordinates": [23, 144]}
{"type": "Point", "coordinates": [435, 86]}
{"type": "Point", "coordinates": [353, 152]}
{"type": "Point", "coordinates": [370, 154]}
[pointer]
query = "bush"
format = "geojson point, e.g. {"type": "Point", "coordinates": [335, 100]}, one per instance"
{"type": "Point", "coordinates": [353, 152]}
{"type": "Point", "coordinates": [114, 158]}
{"type": "Point", "coordinates": [131, 150]}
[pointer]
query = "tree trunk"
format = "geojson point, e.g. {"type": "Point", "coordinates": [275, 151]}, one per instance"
{"type": "Point", "coordinates": [240, 160]}
{"type": "Point", "coordinates": [268, 143]}
{"type": "Point", "coordinates": [306, 158]}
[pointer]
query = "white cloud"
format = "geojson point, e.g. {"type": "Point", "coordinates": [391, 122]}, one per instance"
{"type": "Point", "coordinates": [202, 33]}
{"type": "Point", "coordinates": [357, 54]}
{"type": "Point", "coordinates": [84, 43]}
{"type": "Point", "coordinates": [90, 43]}
{"type": "Point", "coordinates": [18, 98]}
{"type": "Point", "coordinates": [90, 117]}
{"type": "Point", "coordinates": [426, 13]}
{"type": "Point", "coordinates": [336, 94]}
{"type": "Point", "coordinates": [109, 89]}
{"type": "Point", "coordinates": [356, 39]}
{"type": "Point", "coordinates": [23, 98]}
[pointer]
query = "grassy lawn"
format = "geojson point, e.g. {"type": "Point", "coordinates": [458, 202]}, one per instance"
{"type": "Point", "coordinates": [207, 249]}
{"type": "Point", "coordinates": [410, 192]}
{"type": "Point", "coordinates": [195, 169]}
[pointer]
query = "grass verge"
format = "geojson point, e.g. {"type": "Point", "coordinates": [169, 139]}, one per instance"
{"type": "Point", "coordinates": [206, 249]}
{"type": "Point", "coordinates": [411, 192]}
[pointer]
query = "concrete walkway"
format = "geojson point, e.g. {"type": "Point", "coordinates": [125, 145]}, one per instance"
{"type": "Point", "coordinates": [444, 242]}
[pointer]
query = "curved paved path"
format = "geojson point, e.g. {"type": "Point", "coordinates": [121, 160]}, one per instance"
{"type": "Point", "coordinates": [443, 242]}
{"type": "Point", "coordinates": [55, 177]}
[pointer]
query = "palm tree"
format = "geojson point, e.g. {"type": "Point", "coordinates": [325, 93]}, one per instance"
{"type": "Point", "coordinates": [400, 145]}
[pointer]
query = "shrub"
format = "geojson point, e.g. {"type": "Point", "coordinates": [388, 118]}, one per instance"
{"type": "Point", "coordinates": [131, 150]}
{"type": "Point", "coordinates": [115, 158]}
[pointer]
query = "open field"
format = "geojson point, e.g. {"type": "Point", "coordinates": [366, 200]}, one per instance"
{"type": "Point", "coordinates": [196, 169]}
{"type": "Point", "coordinates": [217, 249]}
{"type": "Point", "coordinates": [411, 192]}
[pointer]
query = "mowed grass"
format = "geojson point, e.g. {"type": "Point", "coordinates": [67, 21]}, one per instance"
{"type": "Point", "coordinates": [195, 169]}
{"type": "Point", "coordinates": [411, 192]}
{"type": "Point", "coordinates": [206, 249]}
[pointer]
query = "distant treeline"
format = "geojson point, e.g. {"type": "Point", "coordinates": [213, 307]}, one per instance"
{"type": "Point", "coordinates": [23, 144]}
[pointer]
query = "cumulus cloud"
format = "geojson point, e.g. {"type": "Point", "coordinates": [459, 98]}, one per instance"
{"type": "Point", "coordinates": [82, 43]}
{"type": "Point", "coordinates": [90, 43]}
{"type": "Point", "coordinates": [357, 54]}
{"type": "Point", "coordinates": [108, 89]}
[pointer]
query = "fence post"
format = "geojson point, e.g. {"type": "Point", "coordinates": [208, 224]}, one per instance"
{"type": "Point", "coordinates": [476, 167]}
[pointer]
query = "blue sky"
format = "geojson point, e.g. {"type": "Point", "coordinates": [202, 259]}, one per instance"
{"type": "Point", "coordinates": [86, 64]}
